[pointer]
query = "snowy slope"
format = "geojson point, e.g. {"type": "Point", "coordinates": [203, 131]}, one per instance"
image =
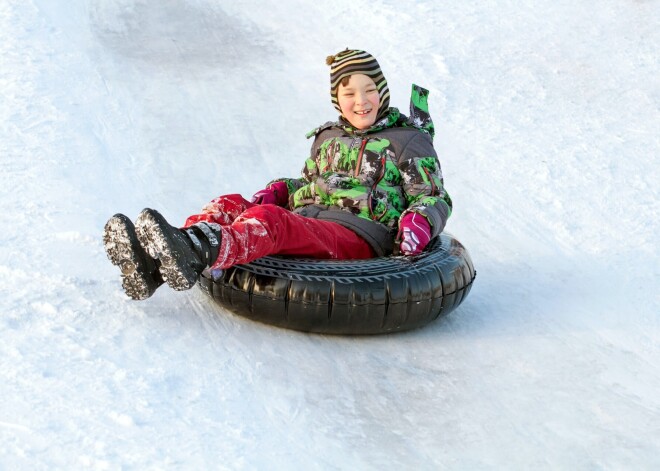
{"type": "Point", "coordinates": [547, 118]}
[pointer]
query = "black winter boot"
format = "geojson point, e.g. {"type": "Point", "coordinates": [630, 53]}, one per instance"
{"type": "Point", "coordinates": [139, 272]}
{"type": "Point", "coordinates": [183, 253]}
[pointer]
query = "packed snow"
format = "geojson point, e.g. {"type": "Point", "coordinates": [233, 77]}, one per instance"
{"type": "Point", "coordinates": [548, 118]}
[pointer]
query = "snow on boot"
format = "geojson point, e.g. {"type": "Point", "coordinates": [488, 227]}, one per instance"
{"type": "Point", "coordinates": [139, 272]}
{"type": "Point", "coordinates": [182, 255]}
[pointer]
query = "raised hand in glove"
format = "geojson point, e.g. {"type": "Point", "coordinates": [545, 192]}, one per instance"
{"type": "Point", "coordinates": [414, 233]}
{"type": "Point", "coordinates": [276, 193]}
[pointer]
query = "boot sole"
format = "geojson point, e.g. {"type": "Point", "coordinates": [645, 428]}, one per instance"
{"type": "Point", "coordinates": [124, 251]}
{"type": "Point", "coordinates": [156, 236]}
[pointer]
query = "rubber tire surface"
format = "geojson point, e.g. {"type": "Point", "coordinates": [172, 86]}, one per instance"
{"type": "Point", "coordinates": [373, 296]}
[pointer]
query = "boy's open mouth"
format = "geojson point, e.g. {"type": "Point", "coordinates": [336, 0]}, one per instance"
{"type": "Point", "coordinates": [361, 113]}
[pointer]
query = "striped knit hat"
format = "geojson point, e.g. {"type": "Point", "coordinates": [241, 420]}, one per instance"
{"type": "Point", "coordinates": [354, 61]}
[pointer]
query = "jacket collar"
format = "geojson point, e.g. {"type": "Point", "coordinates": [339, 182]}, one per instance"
{"type": "Point", "coordinates": [390, 119]}
{"type": "Point", "coordinates": [419, 118]}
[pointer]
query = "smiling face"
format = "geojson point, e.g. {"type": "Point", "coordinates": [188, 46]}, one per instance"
{"type": "Point", "coordinates": [359, 100]}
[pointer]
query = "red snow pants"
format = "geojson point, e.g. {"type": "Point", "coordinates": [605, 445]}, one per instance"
{"type": "Point", "coordinates": [250, 231]}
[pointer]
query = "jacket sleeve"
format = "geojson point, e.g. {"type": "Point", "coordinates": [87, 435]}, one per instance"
{"type": "Point", "coordinates": [309, 174]}
{"type": "Point", "coordinates": [423, 184]}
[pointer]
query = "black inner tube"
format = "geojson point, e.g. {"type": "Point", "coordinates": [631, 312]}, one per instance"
{"type": "Point", "coordinates": [373, 296]}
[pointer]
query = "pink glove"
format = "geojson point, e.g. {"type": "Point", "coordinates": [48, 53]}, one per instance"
{"type": "Point", "coordinates": [414, 232]}
{"type": "Point", "coordinates": [276, 193]}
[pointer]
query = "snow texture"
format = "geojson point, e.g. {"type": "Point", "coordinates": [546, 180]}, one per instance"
{"type": "Point", "coordinates": [547, 116]}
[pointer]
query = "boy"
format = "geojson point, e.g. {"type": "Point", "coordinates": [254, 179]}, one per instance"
{"type": "Point", "coordinates": [372, 186]}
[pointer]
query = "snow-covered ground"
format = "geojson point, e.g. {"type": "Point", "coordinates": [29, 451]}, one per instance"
{"type": "Point", "coordinates": [548, 118]}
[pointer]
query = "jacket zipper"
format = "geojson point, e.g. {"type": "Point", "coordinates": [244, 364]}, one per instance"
{"type": "Point", "coordinates": [358, 167]}
{"type": "Point", "coordinates": [383, 161]}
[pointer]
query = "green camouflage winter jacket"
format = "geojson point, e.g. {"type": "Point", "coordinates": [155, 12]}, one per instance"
{"type": "Point", "coordinates": [365, 180]}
